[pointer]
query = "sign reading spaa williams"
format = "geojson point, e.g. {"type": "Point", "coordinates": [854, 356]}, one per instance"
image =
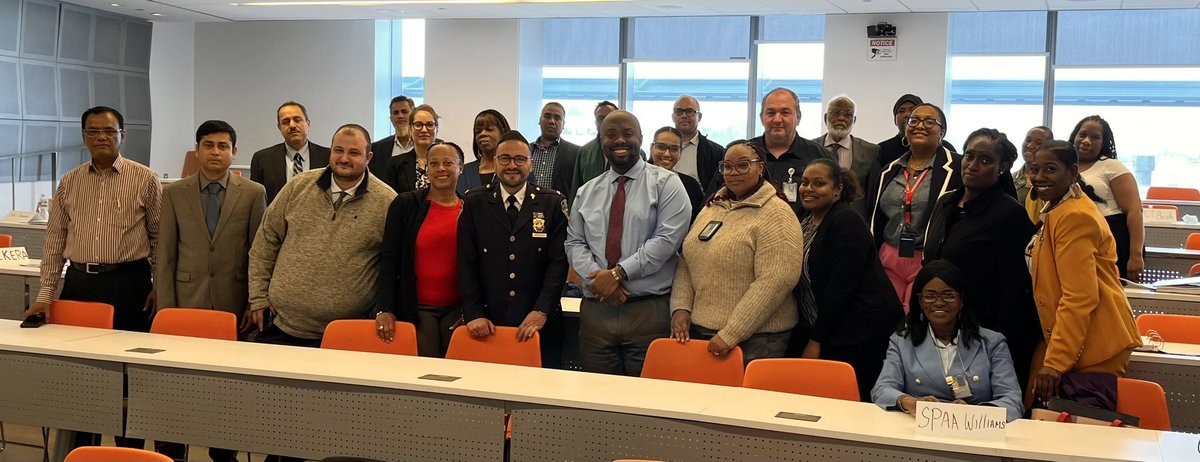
{"type": "Point", "coordinates": [881, 49]}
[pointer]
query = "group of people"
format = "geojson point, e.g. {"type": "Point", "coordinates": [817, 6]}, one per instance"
{"type": "Point", "coordinates": [918, 266]}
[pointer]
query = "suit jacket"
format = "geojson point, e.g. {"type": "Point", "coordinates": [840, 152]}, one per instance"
{"type": "Point", "coordinates": [506, 270]}
{"type": "Point", "coordinates": [381, 154]}
{"type": "Point", "coordinates": [1086, 320]}
{"type": "Point", "coordinates": [564, 167]}
{"type": "Point", "coordinates": [470, 178]}
{"type": "Point", "coordinates": [917, 371]}
{"type": "Point", "coordinates": [986, 237]}
{"type": "Point", "coordinates": [865, 163]}
{"type": "Point", "coordinates": [269, 166]}
{"type": "Point", "coordinates": [708, 154]}
{"type": "Point", "coordinates": [856, 302]}
{"type": "Point", "coordinates": [401, 172]}
{"type": "Point", "coordinates": [198, 271]}
{"type": "Point", "coordinates": [945, 174]}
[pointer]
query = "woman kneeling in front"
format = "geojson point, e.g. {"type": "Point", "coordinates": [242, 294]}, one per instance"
{"type": "Point", "coordinates": [961, 362]}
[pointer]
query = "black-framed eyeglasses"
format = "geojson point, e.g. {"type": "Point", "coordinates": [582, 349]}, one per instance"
{"type": "Point", "coordinates": [927, 123]}
{"type": "Point", "coordinates": [672, 148]}
{"type": "Point", "coordinates": [92, 133]}
{"type": "Point", "coordinates": [839, 113]}
{"type": "Point", "coordinates": [947, 296]}
{"type": "Point", "coordinates": [424, 125]}
{"type": "Point", "coordinates": [740, 167]}
{"type": "Point", "coordinates": [518, 160]}
{"type": "Point", "coordinates": [686, 111]}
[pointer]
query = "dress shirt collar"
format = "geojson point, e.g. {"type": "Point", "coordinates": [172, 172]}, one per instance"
{"type": "Point", "coordinates": [520, 195]}
{"type": "Point", "coordinates": [611, 177]}
{"type": "Point", "coordinates": [695, 141]}
{"type": "Point", "coordinates": [204, 181]}
{"type": "Point", "coordinates": [550, 145]}
{"type": "Point", "coordinates": [846, 142]}
{"type": "Point", "coordinates": [117, 166]}
{"type": "Point", "coordinates": [292, 152]}
{"type": "Point", "coordinates": [334, 188]}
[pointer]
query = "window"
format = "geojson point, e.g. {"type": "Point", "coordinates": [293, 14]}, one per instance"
{"type": "Point", "coordinates": [581, 68]}
{"type": "Point", "coordinates": [399, 67]}
{"type": "Point", "coordinates": [791, 54]}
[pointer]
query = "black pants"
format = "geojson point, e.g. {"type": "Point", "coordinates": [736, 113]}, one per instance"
{"type": "Point", "coordinates": [178, 451]}
{"type": "Point", "coordinates": [126, 290]}
{"type": "Point", "coordinates": [1119, 226]}
{"type": "Point", "coordinates": [867, 359]}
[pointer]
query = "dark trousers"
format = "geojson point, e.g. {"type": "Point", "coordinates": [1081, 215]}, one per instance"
{"type": "Point", "coordinates": [126, 290]}
{"type": "Point", "coordinates": [274, 335]}
{"type": "Point", "coordinates": [178, 451]}
{"type": "Point", "coordinates": [436, 324]}
{"type": "Point", "coordinates": [866, 358]}
{"type": "Point", "coordinates": [758, 346]}
{"type": "Point", "coordinates": [614, 339]}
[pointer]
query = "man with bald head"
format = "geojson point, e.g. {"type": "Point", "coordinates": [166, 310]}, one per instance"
{"type": "Point", "coordinates": [790, 153]}
{"type": "Point", "coordinates": [856, 154]}
{"type": "Point", "coordinates": [623, 237]}
{"type": "Point", "coordinates": [699, 156]}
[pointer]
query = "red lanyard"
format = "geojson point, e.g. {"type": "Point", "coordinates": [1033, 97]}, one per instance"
{"type": "Point", "coordinates": [909, 190]}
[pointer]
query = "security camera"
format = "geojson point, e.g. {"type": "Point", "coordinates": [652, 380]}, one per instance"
{"type": "Point", "coordinates": [882, 29]}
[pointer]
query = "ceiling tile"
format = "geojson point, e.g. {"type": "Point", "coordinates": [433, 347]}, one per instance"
{"type": "Point", "coordinates": [1010, 5]}
{"type": "Point", "coordinates": [870, 6]}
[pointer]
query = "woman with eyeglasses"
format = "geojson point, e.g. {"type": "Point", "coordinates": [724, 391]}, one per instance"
{"type": "Point", "coordinates": [983, 230]}
{"type": "Point", "coordinates": [664, 152]}
{"type": "Point", "coordinates": [418, 268]}
{"type": "Point", "coordinates": [1033, 138]}
{"type": "Point", "coordinates": [846, 301]}
{"type": "Point", "coordinates": [407, 171]}
{"type": "Point", "coordinates": [941, 354]}
{"type": "Point", "coordinates": [1087, 322]}
{"type": "Point", "coordinates": [903, 195]}
{"type": "Point", "coordinates": [490, 125]}
{"type": "Point", "coordinates": [1122, 206]}
{"type": "Point", "coordinates": [733, 285]}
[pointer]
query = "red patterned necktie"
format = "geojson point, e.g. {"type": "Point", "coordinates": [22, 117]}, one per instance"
{"type": "Point", "coordinates": [616, 225]}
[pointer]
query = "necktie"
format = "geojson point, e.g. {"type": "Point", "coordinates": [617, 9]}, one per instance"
{"type": "Point", "coordinates": [512, 209]}
{"type": "Point", "coordinates": [616, 225]}
{"type": "Point", "coordinates": [212, 209]}
{"type": "Point", "coordinates": [341, 198]}
{"type": "Point", "coordinates": [297, 164]}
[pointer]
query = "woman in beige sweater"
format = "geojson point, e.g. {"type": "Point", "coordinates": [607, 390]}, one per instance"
{"type": "Point", "coordinates": [740, 262]}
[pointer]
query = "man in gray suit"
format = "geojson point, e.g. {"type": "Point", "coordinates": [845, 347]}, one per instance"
{"type": "Point", "coordinates": [851, 152]}
{"type": "Point", "coordinates": [208, 223]}
{"type": "Point", "coordinates": [276, 165]}
{"type": "Point", "coordinates": [553, 157]}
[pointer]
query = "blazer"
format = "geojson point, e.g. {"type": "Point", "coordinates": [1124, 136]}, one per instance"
{"type": "Point", "coordinates": [865, 163]}
{"type": "Point", "coordinates": [1086, 320]}
{"type": "Point", "coordinates": [708, 154]}
{"type": "Point", "coordinates": [381, 155]}
{"type": "Point", "coordinates": [564, 167]}
{"type": "Point", "coordinates": [855, 299]}
{"type": "Point", "coordinates": [396, 291]}
{"type": "Point", "coordinates": [401, 172]}
{"type": "Point", "coordinates": [917, 371]}
{"type": "Point", "coordinates": [195, 270]}
{"type": "Point", "coordinates": [985, 238]}
{"type": "Point", "coordinates": [268, 167]}
{"type": "Point", "coordinates": [469, 178]}
{"type": "Point", "coordinates": [506, 269]}
{"type": "Point", "coordinates": [945, 174]}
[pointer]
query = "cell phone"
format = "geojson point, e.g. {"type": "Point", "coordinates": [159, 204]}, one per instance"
{"type": "Point", "coordinates": [908, 244]}
{"type": "Point", "coordinates": [709, 230]}
{"type": "Point", "coordinates": [37, 320]}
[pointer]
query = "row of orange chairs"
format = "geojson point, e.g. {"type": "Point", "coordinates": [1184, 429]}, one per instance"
{"type": "Point", "coordinates": [1173, 194]}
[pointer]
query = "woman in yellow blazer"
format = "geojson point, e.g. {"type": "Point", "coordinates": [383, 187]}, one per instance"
{"type": "Point", "coordinates": [1086, 319]}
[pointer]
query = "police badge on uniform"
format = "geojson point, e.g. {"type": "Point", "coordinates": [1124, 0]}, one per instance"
{"type": "Point", "coordinates": [539, 225]}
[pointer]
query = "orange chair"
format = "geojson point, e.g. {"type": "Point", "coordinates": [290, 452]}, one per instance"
{"type": "Point", "coordinates": [5, 240]}
{"type": "Point", "coordinates": [1173, 194]}
{"type": "Point", "coordinates": [813, 377]}
{"type": "Point", "coordinates": [1193, 242]}
{"type": "Point", "coordinates": [668, 359]}
{"type": "Point", "coordinates": [500, 348]}
{"type": "Point", "coordinates": [1178, 328]}
{"type": "Point", "coordinates": [193, 322]}
{"type": "Point", "coordinates": [361, 335]}
{"type": "Point", "coordinates": [1144, 399]}
{"type": "Point", "coordinates": [114, 454]}
{"type": "Point", "coordinates": [81, 314]}
{"type": "Point", "coordinates": [1194, 271]}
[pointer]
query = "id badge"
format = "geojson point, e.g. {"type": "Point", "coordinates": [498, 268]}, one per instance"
{"type": "Point", "coordinates": [790, 188]}
{"type": "Point", "coordinates": [960, 386]}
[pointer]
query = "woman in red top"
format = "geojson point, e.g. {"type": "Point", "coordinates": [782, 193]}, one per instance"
{"type": "Point", "coordinates": [418, 274]}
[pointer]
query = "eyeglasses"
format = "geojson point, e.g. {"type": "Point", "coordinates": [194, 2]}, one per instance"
{"type": "Point", "coordinates": [849, 114]}
{"type": "Point", "coordinates": [672, 148]}
{"type": "Point", "coordinates": [92, 133]}
{"type": "Point", "coordinates": [424, 125]}
{"type": "Point", "coordinates": [948, 296]}
{"type": "Point", "coordinates": [518, 160]}
{"type": "Point", "coordinates": [681, 111]}
{"type": "Point", "coordinates": [740, 167]}
{"type": "Point", "coordinates": [927, 123]}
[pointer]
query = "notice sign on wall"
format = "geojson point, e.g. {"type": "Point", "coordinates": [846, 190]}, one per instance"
{"type": "Point", "coordinates": [881, 49]}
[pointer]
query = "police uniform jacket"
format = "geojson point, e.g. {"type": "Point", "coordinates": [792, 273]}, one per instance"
{"type": "Point", "coordinates": [506, 270]}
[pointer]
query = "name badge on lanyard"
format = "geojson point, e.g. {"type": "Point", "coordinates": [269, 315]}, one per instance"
{"type": "Point", "coordinates": [790, 188]}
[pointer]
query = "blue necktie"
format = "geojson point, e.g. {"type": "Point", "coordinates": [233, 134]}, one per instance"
{"type": "Point", "coordinates": [213, 209]}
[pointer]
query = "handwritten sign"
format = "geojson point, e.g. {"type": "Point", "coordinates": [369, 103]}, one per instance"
{"type": "Point", "coordinates": [15, 254]}
{"type": "Point", "coordinates": [961, 421]}
{"type": "Point", "coordinates": [1157, 215]}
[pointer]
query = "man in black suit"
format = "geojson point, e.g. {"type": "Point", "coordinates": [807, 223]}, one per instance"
{"type": "Point", "coordinates": [274, 166]}
{"type": "Point", "coordinates": [699, 156]}
{"type": "Point", "coordinates": [553, 157]}
{"type": "Point", "coordinates": [511, 260]}
{"type": "Point", "coordinates": [400, 142]}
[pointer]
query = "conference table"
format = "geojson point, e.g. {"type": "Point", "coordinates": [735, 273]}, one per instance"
{"type": "Point", "coordinates": [1177, 369]}
{"type": "Point", "coordinates": [18, 287]}
{"type": "Point", "coordinates": [1168, 263]}
{"type": "Point", "coordinates": [315, 403]}
{"type": "Point", "coordinates": [1172, 235]}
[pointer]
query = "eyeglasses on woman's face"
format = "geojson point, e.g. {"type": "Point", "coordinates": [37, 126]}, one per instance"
{"type": "Point", "coordinates": [740, 167]}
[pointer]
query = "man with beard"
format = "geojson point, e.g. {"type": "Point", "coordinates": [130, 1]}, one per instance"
{"type": "Point", "coordinates": [856, 154]}
{"type": "Point", "coordinates": [511, 261]}
{"type": "Point", "coordinates": [316, 256]}
{"type": "Point", "coordinates": [278, 164]}
{"type": "Point", "coordinates": [399, 143]}
{"type": "Point", "coordinates": [624, 235]}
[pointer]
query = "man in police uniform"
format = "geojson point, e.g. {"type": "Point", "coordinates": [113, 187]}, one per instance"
{"type": "Point", "coordinates": [511, 262]}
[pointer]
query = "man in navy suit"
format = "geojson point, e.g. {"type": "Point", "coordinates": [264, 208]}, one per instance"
{"type": "Point", "coordinates": [274, 166]}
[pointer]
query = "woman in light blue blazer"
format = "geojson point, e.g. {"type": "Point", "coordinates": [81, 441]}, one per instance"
{"type": "Point", "coordinates": [939, 352]}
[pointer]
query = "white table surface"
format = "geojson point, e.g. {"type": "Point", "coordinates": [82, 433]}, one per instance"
{"type": "Point", "coordinates": [1172, 252]}
{"type": "Point", "coordinates": [1179, 354]}
{"type": "Point", "coordinates": [1178, 224]}
{"type": "Point", "coordinates": [14, 268]}
{"type": "Point", "coordinates": [38, 226]}
{"type": "Point", "coordinates": [1132, 292]}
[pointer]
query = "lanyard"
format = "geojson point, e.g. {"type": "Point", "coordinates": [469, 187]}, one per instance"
{"type": "Point", "coordinates": [909, 190]}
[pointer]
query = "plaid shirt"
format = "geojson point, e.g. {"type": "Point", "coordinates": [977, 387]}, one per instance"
{"type": "Point", "coordinates": [543, 162]}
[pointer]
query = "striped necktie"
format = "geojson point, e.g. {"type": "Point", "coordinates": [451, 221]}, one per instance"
{"type": "Point", "coordinates": [297, 164]}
